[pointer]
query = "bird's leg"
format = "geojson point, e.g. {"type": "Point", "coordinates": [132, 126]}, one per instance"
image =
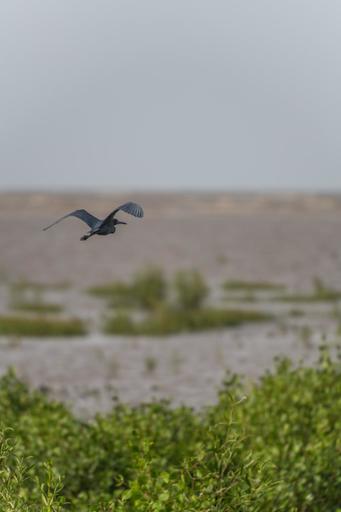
{"type": "Point", "coordinates": [85, 237]}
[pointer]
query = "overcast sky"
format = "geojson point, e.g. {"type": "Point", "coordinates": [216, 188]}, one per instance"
{"type": "Point", "coordinates": [118, 94]}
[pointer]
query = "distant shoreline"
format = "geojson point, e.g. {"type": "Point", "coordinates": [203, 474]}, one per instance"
{"type": "Point", "coordinates": [173, 203]}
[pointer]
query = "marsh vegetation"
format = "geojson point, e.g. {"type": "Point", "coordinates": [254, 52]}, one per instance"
{"type": "Point", "coordinates": [320, 293]}
{"type": "Point", "coordinates": [12, 325]}
{"type": "Point", "coordinates": [30, 298]}
{"type": "Point", "coordinates": [152, 303]}
{"type": "Point", "coordinates": [168, 306]}
{"type": "Point", "coordinates": [30, 314]}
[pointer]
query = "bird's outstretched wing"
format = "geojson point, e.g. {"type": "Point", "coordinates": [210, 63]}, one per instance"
{"type": "Point", "coordinates": [83, 215]}
{"type": "Point", "coordinates": [130, 207]}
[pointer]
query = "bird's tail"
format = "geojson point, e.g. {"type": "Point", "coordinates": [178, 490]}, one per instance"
{"type": "Point", "coordinates": [85, 237]}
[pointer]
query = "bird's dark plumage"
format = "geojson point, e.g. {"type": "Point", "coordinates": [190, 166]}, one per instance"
{"type": "Point", "coordinates": [83, 215]}
{"type": "Point", "coordinates": [131, 208]}
{"type": "Point", "coordinates": [102, 227]}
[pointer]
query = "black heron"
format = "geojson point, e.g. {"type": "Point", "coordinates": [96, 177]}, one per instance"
{"type": "Point", "coordinates": [106, 226]}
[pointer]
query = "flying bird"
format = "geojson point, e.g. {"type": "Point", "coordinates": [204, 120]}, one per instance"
{"type": "Point", "coordinates": [102, 227]}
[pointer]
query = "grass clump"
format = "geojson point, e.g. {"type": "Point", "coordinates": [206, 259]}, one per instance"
{"type": "Point", "coordinates": [320, 293]}
{"type": "Point", "coordinates": [248, 291]}
{"type": "Point", "coordinates": [121, 323]}
{"type": "Point", "coordinates": [296, 313]}
{"type": "Point", "coordinates": [150, 364]}
{"type": "Point", "coordinates": [117, 293]}
{"type": "Point", "coordinates": [40, 326]}
{"type": "Point", "coordinates": [32, 300]}
{"type": "Point", "coordinates": [25, 284]}
{"type": "Point", "coordinates": [191, 289]}
{"type": "Point", "coordinates": [331, 296]}
{"type": "Point", "coordinates": [276, 450]}
{"type": "Point", "coordinates": [167, 320]}
{"type": "Point", "coordinates": [37, 306]}
{"type": "Point", "coordinates": [147, 289]}
{"type": "Point", "coordinates": [168, 308]}
{"type": "Point", "coordinates": [249, 286]}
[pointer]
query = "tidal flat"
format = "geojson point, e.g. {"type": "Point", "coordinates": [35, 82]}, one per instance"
{"type": "Point", "coordinates": [289, 242]}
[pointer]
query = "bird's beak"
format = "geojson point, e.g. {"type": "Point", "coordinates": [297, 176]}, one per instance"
{"type": "Point", "coordinates": [120, 222]}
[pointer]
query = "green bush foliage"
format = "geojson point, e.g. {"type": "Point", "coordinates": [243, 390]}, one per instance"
{"type": "Point", "coordinates": [278, 449]}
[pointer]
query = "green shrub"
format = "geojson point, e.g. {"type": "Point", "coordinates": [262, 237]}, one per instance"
{"type": "Point", "coordinates": [191, 289]}
{"type": "Point", "coordinates": [94, 460]}
{"type": "Point", "coordinates": [293, 419]}
{"type": "Point", "coordinates": [26, 326]}
{"type": "Point", "coordinates": [19, 491]}
{"type": "Point", "coordinates": [278, 449]}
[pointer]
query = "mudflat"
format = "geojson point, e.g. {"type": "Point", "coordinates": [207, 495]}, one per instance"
{"type": "Point", "coordinates": [289, 239]}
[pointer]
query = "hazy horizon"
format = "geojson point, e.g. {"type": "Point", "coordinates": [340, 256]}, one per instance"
{"type": "Point", "coordinates": [66, 189]}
